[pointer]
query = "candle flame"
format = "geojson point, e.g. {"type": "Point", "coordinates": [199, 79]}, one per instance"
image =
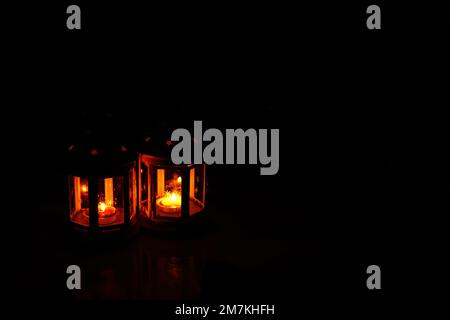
{"type": "Point", "coordinates": [179, 179]}
{"type": "Point", "coordinates": [84, 188]}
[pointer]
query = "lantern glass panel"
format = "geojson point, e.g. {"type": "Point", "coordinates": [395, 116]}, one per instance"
{"type": "Point", "coordinates": [197, 190]}
{"type": "Point", "coordinates": [79, 200]}
{"type": "Point", "coordinates": [132, 192]}
{"type": "Point", "coordinates": [145, 192]}
{"type": "Point", "coordinates": [110, 204]}
{"type": "Point", "coordinates": [168, 193]}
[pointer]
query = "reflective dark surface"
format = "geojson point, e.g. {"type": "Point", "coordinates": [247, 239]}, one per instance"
{"type": "Point", "coordinates": [363, 166]}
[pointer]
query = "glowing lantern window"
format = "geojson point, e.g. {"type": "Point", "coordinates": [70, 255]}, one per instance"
{"type": "Point", "coordinates": [170, 193]}
{"type": "Point", "coordinates": [102, 189]}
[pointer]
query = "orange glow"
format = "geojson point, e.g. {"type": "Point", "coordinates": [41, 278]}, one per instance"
{"type": "Point", "coordinates": [84, 188]}
{"type": "Point", "coordinates": [179, 179]}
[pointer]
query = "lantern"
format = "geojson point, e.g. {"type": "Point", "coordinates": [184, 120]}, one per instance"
{"type": "Point", "coordinates": [102, 189]}
{"type": "Point", "coordinates": [170, 195]}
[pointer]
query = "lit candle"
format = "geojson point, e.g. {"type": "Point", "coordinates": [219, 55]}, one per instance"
{"type": "Point", "coordinates": [105, 210]}
{"type": "Point", "coordinates": [171, 201]}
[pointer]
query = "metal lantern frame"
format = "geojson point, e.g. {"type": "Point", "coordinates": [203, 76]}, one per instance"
{"type": "Point", "coordinates": [94, 165]}
{"type": "Point", "coordinates": [148, 207]}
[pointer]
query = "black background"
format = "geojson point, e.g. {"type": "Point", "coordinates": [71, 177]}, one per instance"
{"type": "Point", "coordinates": [363, 164]}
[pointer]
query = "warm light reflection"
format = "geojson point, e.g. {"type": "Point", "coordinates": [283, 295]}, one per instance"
{"type": "Point", "coordinates": [84, 188]}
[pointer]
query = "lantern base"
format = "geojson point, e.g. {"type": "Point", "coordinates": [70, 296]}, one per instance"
{"type": "Point", "coordinates": [112, 218]}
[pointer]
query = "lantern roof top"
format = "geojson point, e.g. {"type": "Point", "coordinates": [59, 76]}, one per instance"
{"type": "Point", "coordinates": [99, 157]}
